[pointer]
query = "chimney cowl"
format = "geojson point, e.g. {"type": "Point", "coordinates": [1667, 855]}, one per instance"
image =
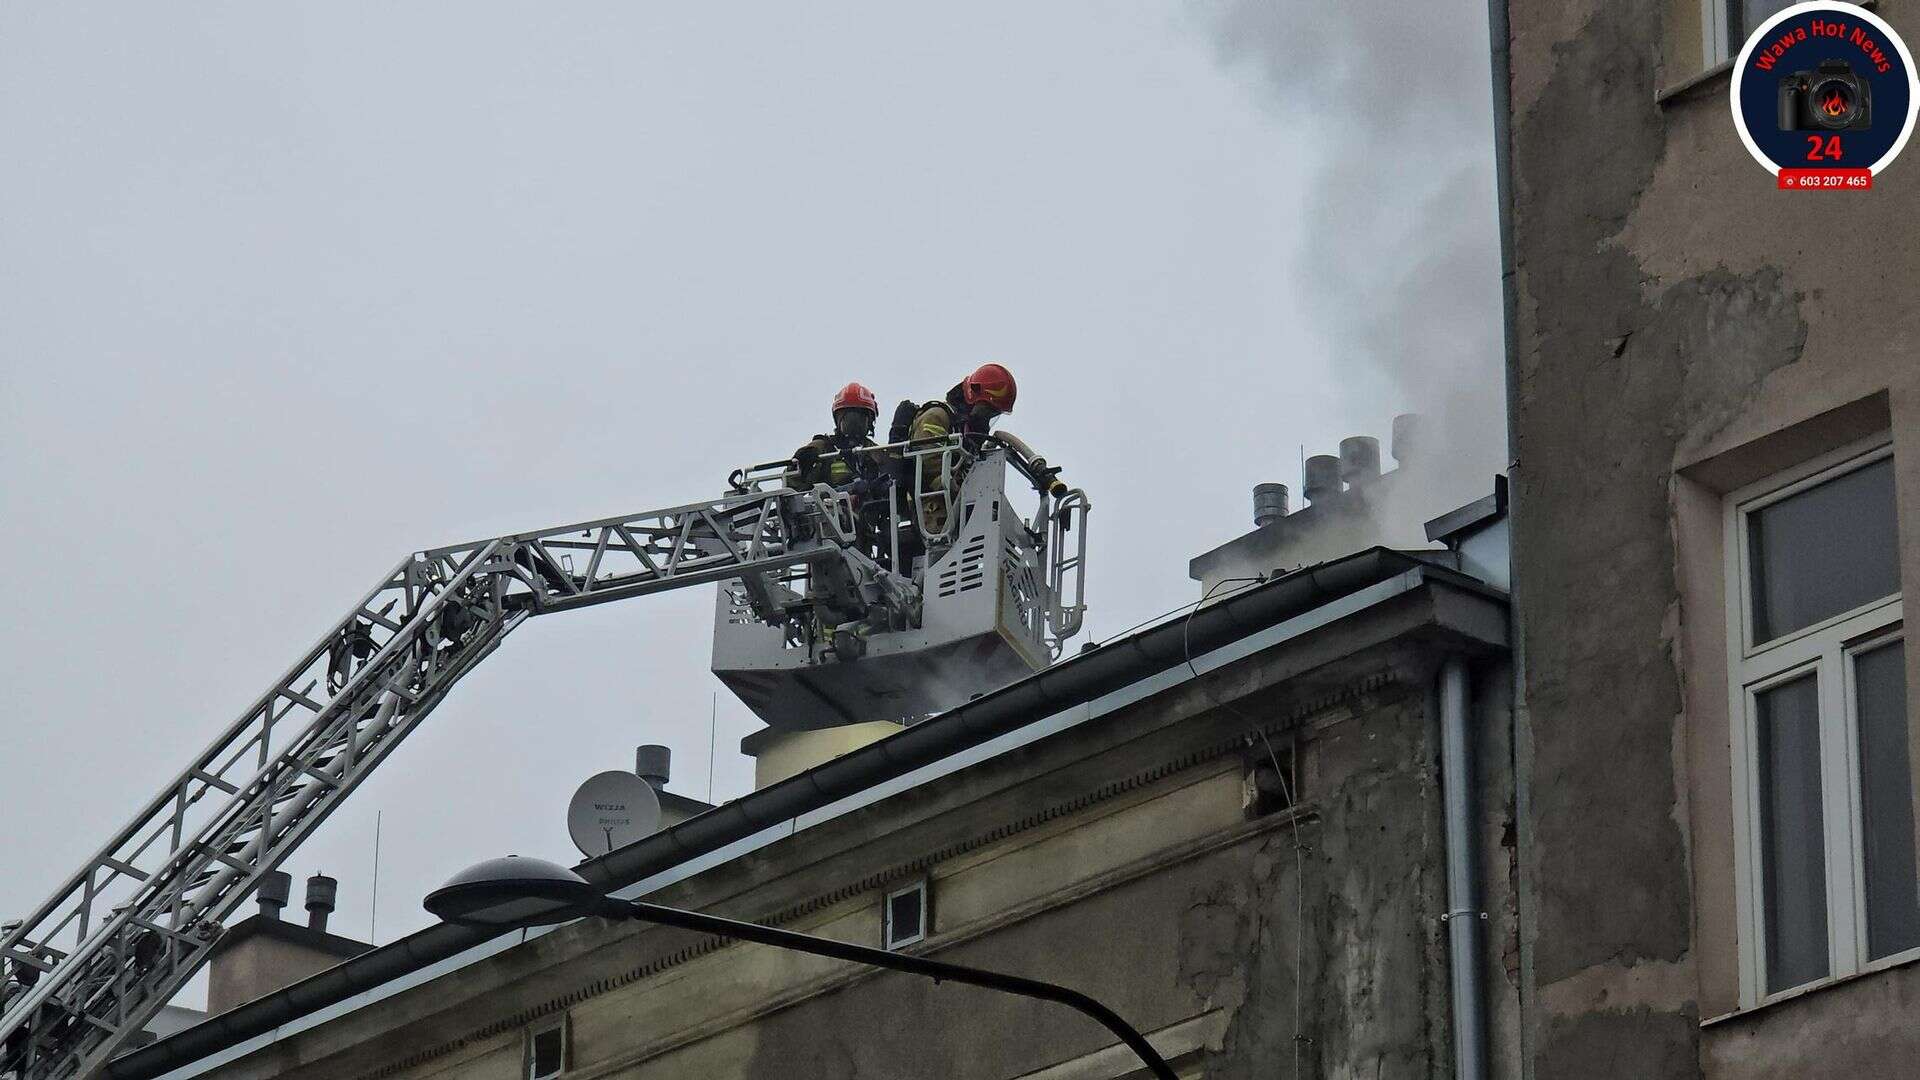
{"type": "Point", "coordinates": [1359, 460]}
{"type": "Point", "coordinates": [654, 763]}
{"type": "Point", "coordinates": [275, 888]}
{"type": "Point", "coordinates": [322, 892]}
{"type": "Point", "coordinates": [1323, 477]}
{"type": "Point", "coordinates": [1269, 504]}
{"type": "Point", "coordinates": [1408, 431]}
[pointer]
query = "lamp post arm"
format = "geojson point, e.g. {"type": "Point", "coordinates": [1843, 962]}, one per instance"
{"type": "Point", "coordinates": [915, 965]}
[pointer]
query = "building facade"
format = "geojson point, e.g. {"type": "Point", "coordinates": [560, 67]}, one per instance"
{"type": "Point", "coordinates": [1229, 828]}
{"type": "Point", "coordinates": [1715, 399]}
{"type": "Point", "coordinates": [1690, 848]}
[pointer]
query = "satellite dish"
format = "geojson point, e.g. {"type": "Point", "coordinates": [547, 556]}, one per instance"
{"type": "Point", "coordinates": [612, 809]}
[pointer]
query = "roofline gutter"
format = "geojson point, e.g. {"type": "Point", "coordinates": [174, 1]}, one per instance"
{"type": "Point", "coordinates": [1075, 681]}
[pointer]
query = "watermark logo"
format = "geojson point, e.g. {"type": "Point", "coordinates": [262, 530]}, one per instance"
{"type": "Point", "coordinates": [1824, 96]}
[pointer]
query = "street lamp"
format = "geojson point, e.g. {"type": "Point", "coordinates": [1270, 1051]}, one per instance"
{"type": "Point", "coordinates": [514, 892]}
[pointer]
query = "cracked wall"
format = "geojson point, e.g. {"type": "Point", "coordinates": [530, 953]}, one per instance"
{"type": "Point", "coordinates": [1671, 307]}
{"type": "Point", "coordinates": [1223, 931]}
{"type": "Point", "coordinates": [1374, 963]}
{"type": "Point", "coordinates": [1347, 978]}
{"type": "Point", "coordinates": [1115, 858]}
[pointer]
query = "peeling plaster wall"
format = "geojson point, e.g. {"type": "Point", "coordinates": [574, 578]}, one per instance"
{"type": "Point", "coordinates": [1671, 306]}
{"type": "Point", "coordinates": [1219, 932]}
{"type": "Point", "coordinates": [1861, 1029]}
{"type": "Point", "coordinates": [1117, 861]}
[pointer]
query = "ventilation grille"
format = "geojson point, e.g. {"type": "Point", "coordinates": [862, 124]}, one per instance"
{"type": "Point", "coordinates": [1023, 581]}
{"type": "Point", "coordinates": [967, 571]}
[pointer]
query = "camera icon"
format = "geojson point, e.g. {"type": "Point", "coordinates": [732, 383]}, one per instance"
{"type": "Point", "coordinates": [1829, 98]}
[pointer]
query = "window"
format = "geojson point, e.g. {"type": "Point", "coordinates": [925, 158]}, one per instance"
{"type": "Point", "coordinates": [905, 916]}
{"type": "Point", "coordinates": [547, 1050]}
{"type": "Point", "coordinates": [1823, 780]}
{"type": "Point", "coordinates": [1730, 22]}
{"type": "Point", "coordinates": [1270, 784]}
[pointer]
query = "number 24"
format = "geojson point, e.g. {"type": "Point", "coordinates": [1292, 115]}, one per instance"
{"type": "Point", "coordinates": [1823, 149]}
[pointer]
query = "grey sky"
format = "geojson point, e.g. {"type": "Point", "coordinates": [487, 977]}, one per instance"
{"type": "Point", "coordinates": [289, 290]}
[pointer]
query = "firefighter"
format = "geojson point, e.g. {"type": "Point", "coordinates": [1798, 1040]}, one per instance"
{"type": "Point", "coordinates": [865, 475]}
{"type": "Point", "coordinates": [855, 410]}
{"type": "Point", "coordinates": [969, 409]}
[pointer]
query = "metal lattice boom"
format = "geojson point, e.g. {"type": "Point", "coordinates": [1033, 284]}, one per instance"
{"type": "Point", "coordinates": [94, 962]}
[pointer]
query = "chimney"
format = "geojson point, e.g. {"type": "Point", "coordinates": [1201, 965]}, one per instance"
{"type": "Point", "coordinates": [1323, 477]}
{"type": "Point", "coordinates": [1359, 460]}
{"type": "Point", "coordinates": [274, 890]}
{"type": "Point", "coordinates": [265, 953]}
{"type": "Point", "coordinates": [321, 893]}
{"type": "Point", "coordinates": [1408, 431]}
{"type": "Point", "coordinates": [654, 763]}
{"type": "Point", "coordinates": [1269, 504]}
{"type": "Point", "coordinates": [779, 754]}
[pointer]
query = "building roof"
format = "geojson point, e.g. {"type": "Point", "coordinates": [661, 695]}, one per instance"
{"type": "Point", "coordinates": [294, 933]}
{"type": "Point", "coordinates": [1097, 680]}
{"type": "Point", "coordinates": [1479, 512]}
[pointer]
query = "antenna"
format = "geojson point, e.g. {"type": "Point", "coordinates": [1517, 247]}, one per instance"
{"type": "Point", "coordinates": [612, 809]}
{"type": "Point", "coordinates": [373, 909]}
{"type": "Point", "coordinates": [713, 740]}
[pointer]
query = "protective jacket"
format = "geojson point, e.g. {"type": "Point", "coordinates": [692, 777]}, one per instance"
{"type": "Point", "coordinates": [938, 419]}
{"type": "Point", "coordinates": [838, 471]}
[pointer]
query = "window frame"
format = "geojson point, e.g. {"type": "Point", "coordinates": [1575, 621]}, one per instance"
{"type": "Point", "coordinates": [1827, 650]}
{"type": "Point", "coordinates": [533, 1032]}
{"type": "Point", "coordinates": [1717, 35]}
{"type": "Point", "coordinates": [887, 940]}
{"type": "Point", "coordinates": [1716, 31]}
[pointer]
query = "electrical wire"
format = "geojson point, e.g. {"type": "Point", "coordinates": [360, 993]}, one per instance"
{"type": "Point", "coordinates": [1293, 808]}
{"type": "Point", "coordinates": [1174, 610]}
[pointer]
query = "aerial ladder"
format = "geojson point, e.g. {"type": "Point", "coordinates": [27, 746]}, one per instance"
{"type": "Point", "coordinates": [829, 611]}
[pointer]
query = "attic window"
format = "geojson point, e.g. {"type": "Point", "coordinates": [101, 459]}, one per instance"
{"type": "Point", "coordinates": [1270, 782]}
{"type": "Point", "coordinates": [547, 1051]}
{"type": "Point", "coordinates": [905, 915]}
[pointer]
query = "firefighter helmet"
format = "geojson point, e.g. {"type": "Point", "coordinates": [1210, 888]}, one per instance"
{"type": "Point", "coordinates": [990, 384]}
{"type": "Point", "coordinates": [855, 396]}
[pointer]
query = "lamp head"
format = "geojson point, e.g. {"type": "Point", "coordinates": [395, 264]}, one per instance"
{"type": "Point", "coordinates": [513, 892]}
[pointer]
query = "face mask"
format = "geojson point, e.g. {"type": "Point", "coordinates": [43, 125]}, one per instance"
{"type": "Point", "coordinates": [853, 424]}
{"type": "Point", "coordinates": [981, 415]}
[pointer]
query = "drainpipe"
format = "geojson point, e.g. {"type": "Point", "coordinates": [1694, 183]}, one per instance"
{"type": "Point", "coordinates": [1500, 57]}
{"type": "Point", "coordinates": [1463, 909]}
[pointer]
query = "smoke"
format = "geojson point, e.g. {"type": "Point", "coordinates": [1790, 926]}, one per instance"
{"type": "Point", "coordinates": [1390, 108]}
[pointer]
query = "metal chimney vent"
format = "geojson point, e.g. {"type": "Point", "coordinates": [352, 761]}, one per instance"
{"type": "Point", "coordinates": [654, 763]}
{"type": "Point", "coordinates": [1409, 430]}
{"type": "Point", "coordinates": [1269, 503]}
{"type": "Point", "coordinates": [1359, 459]}
{"type": "Point", "coordinates": [274, 890]}
{"type": "Point", "coordinates": [322, 891]}
{"type": "Point", "coordinates": [1323, 477]}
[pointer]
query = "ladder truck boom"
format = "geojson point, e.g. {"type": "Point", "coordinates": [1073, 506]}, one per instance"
{"type": "Point", "coordinates": [92, 964]}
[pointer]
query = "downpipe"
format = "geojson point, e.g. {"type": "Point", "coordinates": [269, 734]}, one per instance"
{"type": "Point", "coordinates": [1464, 917]}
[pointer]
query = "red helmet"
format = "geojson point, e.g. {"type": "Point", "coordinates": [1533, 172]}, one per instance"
{"type": "Point", "coordinates": [855, 396]}
{"type": "Point", "coordinates": [990, 384]}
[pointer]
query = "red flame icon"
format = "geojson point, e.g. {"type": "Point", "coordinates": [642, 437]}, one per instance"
{"type": "Point", "coordinates": [1835, 104]}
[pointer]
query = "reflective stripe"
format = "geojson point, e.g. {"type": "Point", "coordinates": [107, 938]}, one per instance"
{"type": "Point", "coordinates": [932, 423]}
